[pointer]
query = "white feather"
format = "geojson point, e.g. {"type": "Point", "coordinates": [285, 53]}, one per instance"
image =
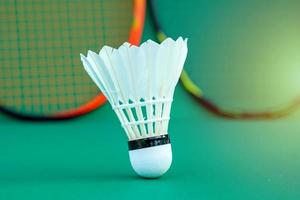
{"type": "Point", "coordinates": [139, 82]}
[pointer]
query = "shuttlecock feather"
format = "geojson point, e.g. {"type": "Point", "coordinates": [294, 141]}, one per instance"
{"type": "Point", "coordinates": [139, 83]}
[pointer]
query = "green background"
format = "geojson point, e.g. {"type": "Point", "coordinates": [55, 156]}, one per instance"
{"type": "Point", "coordinates": [214, 158]}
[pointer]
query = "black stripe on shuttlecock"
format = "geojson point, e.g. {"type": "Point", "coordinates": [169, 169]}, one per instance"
{"type": "Point", "coordinates": [148, 142]}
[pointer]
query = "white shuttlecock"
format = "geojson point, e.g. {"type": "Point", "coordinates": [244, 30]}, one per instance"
{"type": "Point", "coordinates": [139, 83]}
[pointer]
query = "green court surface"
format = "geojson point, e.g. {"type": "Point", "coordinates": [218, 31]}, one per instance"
{"type": "Point", "coordinates": [214, 158]}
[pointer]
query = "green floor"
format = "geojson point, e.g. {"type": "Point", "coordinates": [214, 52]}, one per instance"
{"type": "Point", "coordinates": [87, 158]}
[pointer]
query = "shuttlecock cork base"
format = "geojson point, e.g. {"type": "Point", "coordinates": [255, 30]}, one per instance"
{"type": "Point", "coordinates": [150, 157]}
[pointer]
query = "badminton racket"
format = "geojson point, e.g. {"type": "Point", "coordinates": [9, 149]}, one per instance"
{"type": "Point", "coordinates": [41, 75]}
{"type": "Point", "coordinates": [196, 92]}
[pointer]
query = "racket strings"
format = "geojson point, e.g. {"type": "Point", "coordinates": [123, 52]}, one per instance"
{"type": "Point", "coordinates": [195, 91]}
{"type": "Point", "coordinates": [40, 45]}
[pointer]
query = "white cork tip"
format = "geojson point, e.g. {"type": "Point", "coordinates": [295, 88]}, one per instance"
{"type": "Point", "coordinates": [151, 162]}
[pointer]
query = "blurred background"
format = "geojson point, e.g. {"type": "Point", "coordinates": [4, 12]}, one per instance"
{"type": "Point", "coordinates": [245, 56]}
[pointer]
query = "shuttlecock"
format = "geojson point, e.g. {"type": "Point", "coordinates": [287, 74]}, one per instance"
{"type": "Point", "coordinates": [139, 83]}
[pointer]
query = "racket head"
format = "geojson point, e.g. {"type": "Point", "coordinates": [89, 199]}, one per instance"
{"type": "Point", "coordinates": [40, 41]}
{"type": "Point", "coordinates": [243, 55]}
